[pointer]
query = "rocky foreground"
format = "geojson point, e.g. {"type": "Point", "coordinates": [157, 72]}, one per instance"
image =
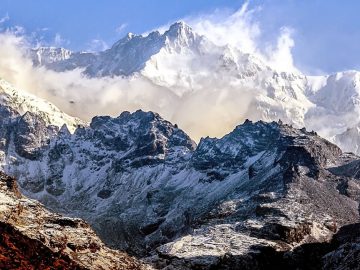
{"type": "Point", "coordinates": [33, 238]}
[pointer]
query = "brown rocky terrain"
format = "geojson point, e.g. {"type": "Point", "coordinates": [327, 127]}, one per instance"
{"type": "Point", "coordinates": [33, 238]}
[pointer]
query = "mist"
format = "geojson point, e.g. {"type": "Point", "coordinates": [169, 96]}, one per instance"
{"type": "Point", "coordinates": [214, 109]}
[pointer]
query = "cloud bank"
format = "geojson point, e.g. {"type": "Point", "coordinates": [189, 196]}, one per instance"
{"type": "Point", "coordinates": [242, 29]}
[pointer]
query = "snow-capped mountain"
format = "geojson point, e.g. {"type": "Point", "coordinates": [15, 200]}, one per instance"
{"type": "Point", "coordinates": [49, 55]}
{"type": "Point", "coordinates": [186, 63]}
{"type": "Point", "coordinates": [337, 99]}
{"type": "Point", "coordinates": [170, 59]}
{"type": "Point", "coordinates": [146, 187]}
{"type": "Point", "coordinates": [16, 102]}
{"type": "Point", "coordinates": [125, 57]}
{"type": "Point", "coordinates": [349, 140]}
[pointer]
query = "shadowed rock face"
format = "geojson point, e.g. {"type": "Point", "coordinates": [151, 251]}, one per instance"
{"type": "Point", "coordinates": [33, 238]}
{"type": "Point", "coordinates": [31, 134]}
{"type": "Point", "coordinates": [145, 187]}
{"type": "Point", "coordinates": [21, 252]}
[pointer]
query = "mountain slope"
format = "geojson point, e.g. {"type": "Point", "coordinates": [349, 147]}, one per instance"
{"type": "Point", "coordinates": [18, 102]}
{"type": "Point", "coordinates": [349, 140]}
{"type": "Point", "coordinates": [145, 187]}
{"type": "Point", "coordinates": [33, 238]}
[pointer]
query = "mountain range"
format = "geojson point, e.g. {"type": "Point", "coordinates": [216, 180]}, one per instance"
{"type": "Point", "coordinates": [185, 63]}
{"type": "Point", "coordinates": [267, 194]}
{"type": "Point", "coordinates": [266, 188]}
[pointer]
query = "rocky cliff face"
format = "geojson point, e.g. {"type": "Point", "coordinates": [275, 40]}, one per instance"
{"type": "Point", "coordinates": [144, 185]}
{"type": "Point", "coordinates": [33, 238]}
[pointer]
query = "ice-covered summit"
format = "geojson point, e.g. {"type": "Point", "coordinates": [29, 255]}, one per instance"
{"type": "Point", "coordinates": [185, 63]}
{"type": "Point", "coordinates": [125, 57]}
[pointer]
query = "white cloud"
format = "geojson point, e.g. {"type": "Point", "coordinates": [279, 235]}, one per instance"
{"type": "Point", "coordinates": [96, 45]}
{"type": "Point", "coordinates": [281, 56]}
{"type": "Point", "coordinates": [121, 28]}
{"type": "Point", "coordinates": [110, 96]}
{"type": "Point", "coordinates": [5, 18]}
{"type": "Point", "coordinates": [222, 27]}
{"type": "Point", "coordinates": [242, 29]}
{"type": "Point", "coordinates": [59, 41]}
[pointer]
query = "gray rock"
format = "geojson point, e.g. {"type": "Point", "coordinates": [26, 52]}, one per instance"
{"type": "Point", "coordinates": [146, 187]}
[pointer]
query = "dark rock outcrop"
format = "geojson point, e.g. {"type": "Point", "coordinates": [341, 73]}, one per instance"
{"type": "Point", "coordinates": [31, 134]}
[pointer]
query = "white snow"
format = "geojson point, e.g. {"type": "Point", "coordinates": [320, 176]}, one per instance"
{"type": "Point", "coordinates": [22, 102]}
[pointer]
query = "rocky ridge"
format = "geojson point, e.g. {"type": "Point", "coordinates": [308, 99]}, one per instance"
{"type": "Point", "coordinates": [146, 187]}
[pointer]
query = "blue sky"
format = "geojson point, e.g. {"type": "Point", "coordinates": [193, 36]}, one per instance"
{"type": "Point", "coordinates": [81, 21]}
{"type": "Point", "coordinates": [326, 32]}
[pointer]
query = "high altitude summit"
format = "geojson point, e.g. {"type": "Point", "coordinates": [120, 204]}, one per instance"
{"type": "Point", "coordinates": [185, 63]}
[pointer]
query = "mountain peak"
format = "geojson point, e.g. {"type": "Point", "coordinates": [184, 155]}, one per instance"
{"type": "Point", "coordinates": [179, 29]}
{"type": "Point", "coordinates": [128, 37]}
{"type": "Point", "coordinates": [138, 161]}
{"type": "Point", "coordinates": [181, 35]}
{"type": "Point", "coordinates": [179, 25]}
